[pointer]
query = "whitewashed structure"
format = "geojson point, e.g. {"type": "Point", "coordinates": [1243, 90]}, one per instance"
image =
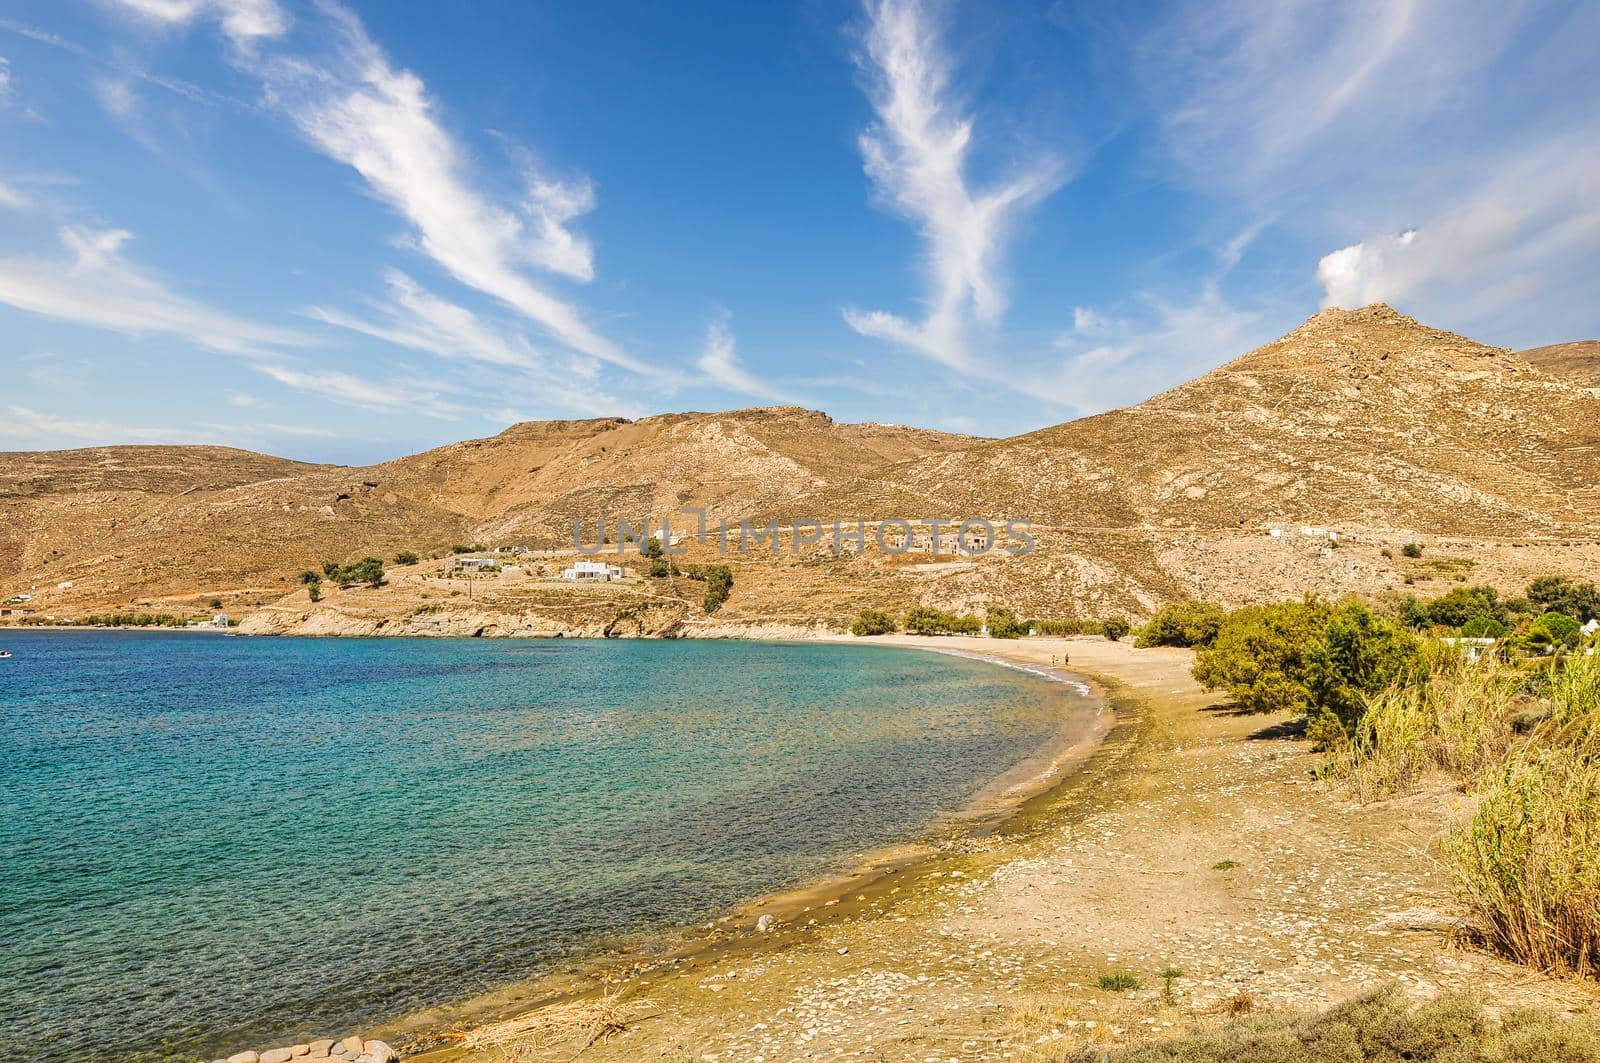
{"type": "Point", "coordinates": [591, 572]}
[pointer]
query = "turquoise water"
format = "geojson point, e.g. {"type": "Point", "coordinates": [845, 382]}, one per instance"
{"type": "Point", "coordinates": [214, 843]}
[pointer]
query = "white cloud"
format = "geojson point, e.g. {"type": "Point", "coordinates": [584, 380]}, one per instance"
{"type": "Point", "coordinates": [916, 154]}
{"type": "Point", "coordinates": [22, 422]}
{"type": "Point", "coordinates": [10, 197]}
{"type": "Point", "coordinates": [239, 398]}
{"type": "Point", "coordinates": [1127, 361]}
{"type": "Point", "coordinates": [719, 361]}
{"type": "Point", "coordinates": [1530, 226]}
{"type": "Point", "coordinates": [359, 110]}
{"type": "Point", "coordinates": [1085, 319]}
{"type": "Point", "coordinates": [97, 286]}
{"type": "Point", "coordinates": [244, 21]}
{"type": "Point", "coordinates": [5, 78]}
{"type": "Point", "coordinates": [419, 397]}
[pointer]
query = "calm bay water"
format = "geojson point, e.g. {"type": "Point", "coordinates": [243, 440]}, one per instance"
{"type": "Point", "coordinates": [212, 843]}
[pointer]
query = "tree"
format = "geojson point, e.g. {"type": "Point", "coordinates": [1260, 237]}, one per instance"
{"type": "Point", "coordinates": [1004, 624]}
{"type": "Point", "coordinates": [1260, 655]}
{"type": "Point", "coordinates": [314, 591]}
{"type": "Point", "coordinates": [1557, 594]}
{"type": "Point", "coordinates": [309, 576]}
{"type": "Point", "coordinates": [652, 548]}
{"type": "Point", "coordinates": [405, 557]}
{"type": "Point", "coordinates": [1464, 603]}
{"type": "Point", "coordinates": [1555, 629]}
{"type": "Point", "coordinates": [1191, 623]}
{"type": "Point", "coordinates": [719, 584]}
{"type": "Point", "coordinates": [216, 603]}
{"type": "Point", "coordinates": [1483, 627]}
{"type": "Point", "coordinates": [872, 622]}
{"type": "Point", "coordinates": [659, 569]}
{"type": "Point", "coordinates": [1358, 655]}
{"type": "Point", "coordinates": [925, 621]}
{"type": "Point", "coordinates": [1116, 628]}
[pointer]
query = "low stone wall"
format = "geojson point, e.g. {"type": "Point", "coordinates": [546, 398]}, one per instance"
{"type": "Point", "coordinates": [350, 1050]}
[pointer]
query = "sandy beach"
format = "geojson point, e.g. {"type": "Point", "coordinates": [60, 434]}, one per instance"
{"type": "Point", "coordinates": [1191, 837]}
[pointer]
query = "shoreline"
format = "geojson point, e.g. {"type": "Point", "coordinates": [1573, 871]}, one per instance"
{"type": "Point", "coordinates": [1002, 804]}
{"type": "Point", "coordinates": [1190, 838]}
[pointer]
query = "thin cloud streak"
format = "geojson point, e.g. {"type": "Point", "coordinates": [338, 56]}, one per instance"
{"type": "Point", "coordinates": [719, 361]}
{"type": "Point", "coordinates": [96, 285]}
{"type": "Point", "coordinates": [916, 154]}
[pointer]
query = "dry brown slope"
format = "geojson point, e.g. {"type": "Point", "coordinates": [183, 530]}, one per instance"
{"type": "Point", "coordinates": [1361, 419]}
{"type": "Point", "coordinates": [1577, 362]}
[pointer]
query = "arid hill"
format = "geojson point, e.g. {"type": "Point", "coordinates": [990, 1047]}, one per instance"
{"type": "Point", "coordinates": [1362, 423]}
{"type": "Point", "coordinates": [124, 524]}
{"type": "Point", "coordinates": [1577, 363]}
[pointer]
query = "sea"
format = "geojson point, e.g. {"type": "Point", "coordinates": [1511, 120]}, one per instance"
{"type": "Point", "coordinates": [211, 842]}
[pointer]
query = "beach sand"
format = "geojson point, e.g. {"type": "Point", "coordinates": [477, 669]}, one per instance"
{"type": "Point", "coordinates": [990, 945]}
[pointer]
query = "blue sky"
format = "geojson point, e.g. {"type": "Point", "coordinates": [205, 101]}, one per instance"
{"type": "Point", "coordinates": [346, 231]}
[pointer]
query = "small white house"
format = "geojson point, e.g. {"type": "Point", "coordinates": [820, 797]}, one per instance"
{"type": "Point", "coordinates": [591, 572]}
{"type": "Point", "coordinates": [1472, 649]}
{"type": "Point", "coordinates": [220, 620]}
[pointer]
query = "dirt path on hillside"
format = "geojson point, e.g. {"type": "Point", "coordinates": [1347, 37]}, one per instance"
{"type": "Point", "coordinates": [993, 950]}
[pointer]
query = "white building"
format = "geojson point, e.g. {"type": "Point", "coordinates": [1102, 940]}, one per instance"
{"type": "Point", "coordinates": [1472, 649]}
{"type": "Point", "coordinates": [591, 572]}
{"type": "Point", "coordinates": [471, 566]}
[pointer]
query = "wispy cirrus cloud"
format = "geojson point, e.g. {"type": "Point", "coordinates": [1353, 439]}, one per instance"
{"type": "Point", "coordinates": [22, 422]}
{"type": "Point", "coordinates": [353, 105]}
{"type": "Point", "coordinates": [719, 361]}
{"type": "Point", "coordinates": [96, 284]}
{"type": "Point", "coordinates": [424, 397]}
{"type": "Point", "coordinates": [917, 154]}
{"type": "Point", "coordinates": [420, 320]}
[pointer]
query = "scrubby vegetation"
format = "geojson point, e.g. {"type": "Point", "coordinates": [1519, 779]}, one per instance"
{"type": "Point", "coordinates": [368, 570]}
{"type": "Point", "coordinates": [405, 557]}
{"type": "Point", "coordinates": [927, 621]}
{"type": "Point", "coordinates": [1005, 624]}
{"type": "Point", "coordinates": [872, 622]}
{"type": "Point", "coordinates": [1191, 623]}
{"type": "Point", "coordinates": [719, 584]}
{"type": "Point", "coordinates": [1116, 628]}
{"type": "Point", "coordinates": [1067, 627]}
{"type": "Point", "coordinates": [1380, 1027]}
{"type": "Point", "coordinates": [1307, 657]}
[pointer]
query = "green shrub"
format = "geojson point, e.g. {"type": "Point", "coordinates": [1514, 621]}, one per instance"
{"type": "Point", "coordinates": [309, 576]}
{"type": "Point", "coordinates": [1557, 594]}
{"type": "Point", "coordinates": [659, 569]}
{"type": "Point", "coordinates": [1555, 629]}
{"type": "Point", "coordinates": [314, 591]}
{"type": "Point", "coordinates": [463, 548]}
{"type": "Point", "coordinates": [1483, 627]}
{"type": "Point", "coordinates": [927, 621]}
{"type": "Point", "coordinates": [368, 570]}
{"type": "Point", "coordinates": [405, 557]}
{"type": "Point", "coordinates": [1412, 549]}
{"type": "Point", "coordinates": [1191, 623]}
{"type": "Point", "coordinates": [1116, 628]}
{"type": "Point", "coordinates": [719, 584]}
{"type": "Point", "coordinates": [1119, 982]}
{"type": "Point", "coordinates": [1004, 624]}
{"type": "Point", "coordinates": [872, 622]}
{"type": "Point", "coordinates": [1306, 657]}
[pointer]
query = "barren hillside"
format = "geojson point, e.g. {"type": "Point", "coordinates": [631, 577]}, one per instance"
{"type": "Point", "coordinates": [1364, 423]}
{"type": "Point", "coordinates": [1577, 363]}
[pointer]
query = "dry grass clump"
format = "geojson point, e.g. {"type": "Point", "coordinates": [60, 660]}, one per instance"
{"type": "Point", "coordinates": [573, 1025]}
{"type": "Point", "coordinates": [1529, 861]}
{"type": "Point", "coordinates": [1381, 1027]}
{"type": "Point", "coordinates": [1458, 720]}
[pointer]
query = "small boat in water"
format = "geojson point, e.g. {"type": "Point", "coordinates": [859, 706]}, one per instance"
{"type": "Point", "coordinates": [4, 654]}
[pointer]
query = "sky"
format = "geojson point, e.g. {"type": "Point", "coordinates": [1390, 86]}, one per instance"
{"type": "Point", "coordinates": [344, 231]}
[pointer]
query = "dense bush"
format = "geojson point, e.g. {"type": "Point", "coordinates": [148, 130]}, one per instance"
{"type": "Point", "coordinates": [1307, 657]}
{"type": "Point", "coordinates": [1462, 604]}
{"type": "Point", "coordinates": [872, 622]}
{"type": "Point", "coordinates": [719, 584]}
{"type": "Point", "coordinates": [368, 570]}
{"type": "Point", "coordinates": [1484, 627]}
{"type": "Point", "coordinates": [1191, 623]}
{"type": "Point", "coordinates": [927, 621]}
{"type": "Point", "coordinates": [1004, 624]}
{"type": "Point", "coordinates": [1412, 549]}
{"type": "Point", "coordinates": [659, 568]}
{"type": "Point", "coordinates": [405, 557]}
{"type": "Point", "coordinates": [1553, 630]}
{"type": "Point", "coordinates": [1116, 628]}
{"type": "Point", "coordinates": [1557, 594]}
